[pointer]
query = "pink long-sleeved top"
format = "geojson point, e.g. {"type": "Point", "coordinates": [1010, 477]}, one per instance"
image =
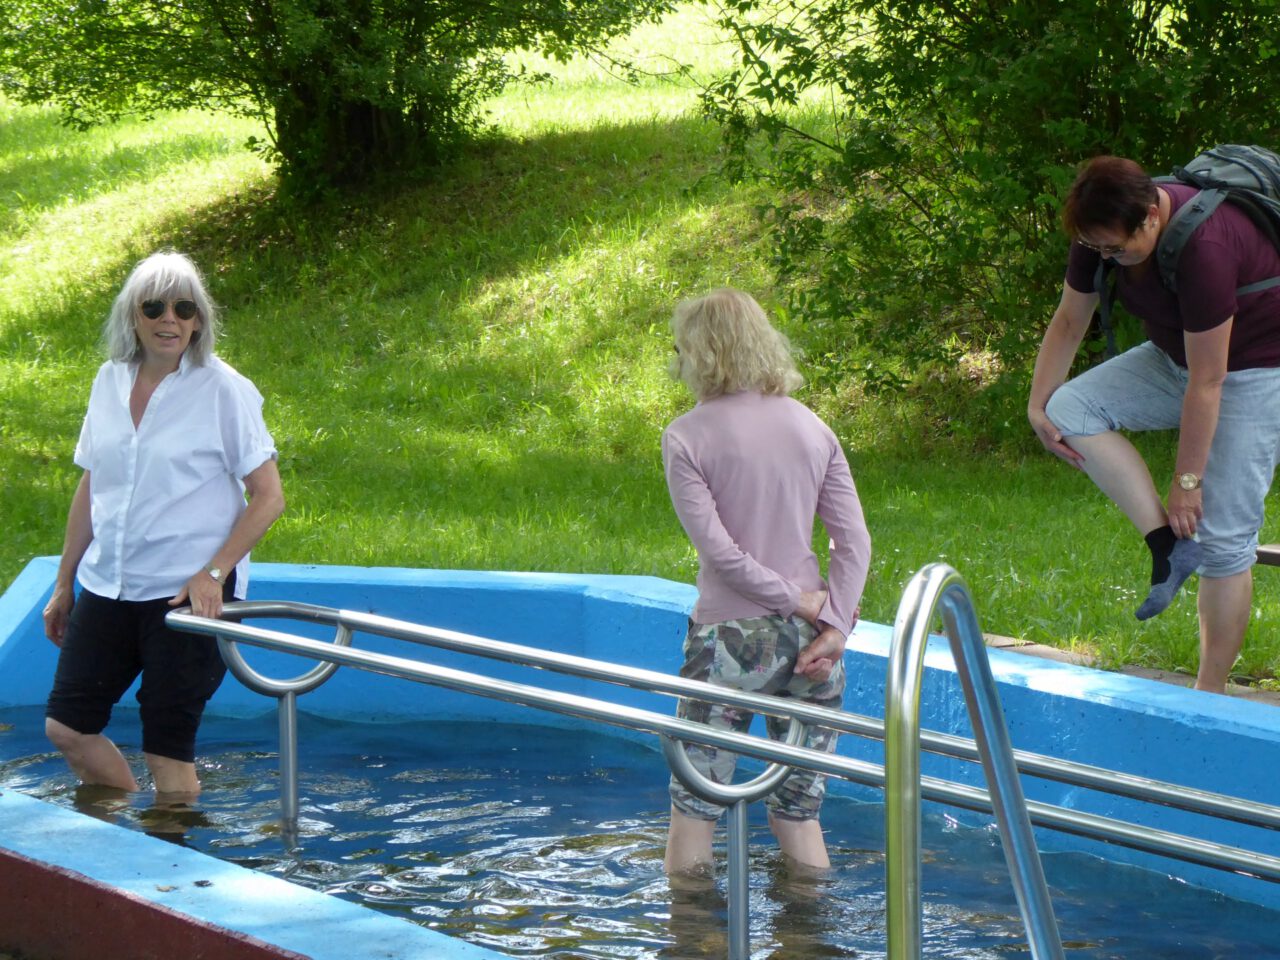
{"type": "Point", "coordinates": [748, 472]}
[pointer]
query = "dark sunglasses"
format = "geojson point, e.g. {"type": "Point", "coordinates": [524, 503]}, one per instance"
{"type": "Point", "coordinates": [182, 309]}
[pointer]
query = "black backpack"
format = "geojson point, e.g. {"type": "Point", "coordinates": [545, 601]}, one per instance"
{"type": "Point", "coordinates": [1246, 177]}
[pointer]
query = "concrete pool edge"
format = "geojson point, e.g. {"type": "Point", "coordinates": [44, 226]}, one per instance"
{"type": "Point", "coordinates": [93, 891]}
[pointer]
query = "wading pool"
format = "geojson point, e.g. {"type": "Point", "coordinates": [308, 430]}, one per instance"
{"type": "Point", "coordinates": [528, 837]}
{"type": "Point", "coordinates": [544, 842]}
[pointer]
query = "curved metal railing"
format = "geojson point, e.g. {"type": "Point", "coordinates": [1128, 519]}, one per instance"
{"type": "Point", "coordinates": [939, 586]}
{"type": "Point", "coordinates": [1220, 806]}
{"type": "Point", "coordinates": [229, 632]}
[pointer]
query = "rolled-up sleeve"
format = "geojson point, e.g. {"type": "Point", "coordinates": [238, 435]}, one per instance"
{"type": "Point", "coordinates": [247, 444]}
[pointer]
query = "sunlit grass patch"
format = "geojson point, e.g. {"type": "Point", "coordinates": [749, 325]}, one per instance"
{"type": "Point", "coordinates": [670, 61]}
{"type": "Point", "coordinates": [466, 368]}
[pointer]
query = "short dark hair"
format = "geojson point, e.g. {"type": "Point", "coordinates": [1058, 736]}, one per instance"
{"type": "Point", "coordinates": [1111, 193]}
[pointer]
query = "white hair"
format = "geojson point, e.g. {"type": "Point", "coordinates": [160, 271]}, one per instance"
{"type": "Point", "coordinates": [161, 276]}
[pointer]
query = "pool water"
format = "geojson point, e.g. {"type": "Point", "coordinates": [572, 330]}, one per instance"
{"type": "Point", "coordinates": [539, 842]}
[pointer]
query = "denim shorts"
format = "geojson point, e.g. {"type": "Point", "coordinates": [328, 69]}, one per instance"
{"type": "Point", "coordinates": [1142, 389]}
{"type": "Point", "coordinates": [758, 655]}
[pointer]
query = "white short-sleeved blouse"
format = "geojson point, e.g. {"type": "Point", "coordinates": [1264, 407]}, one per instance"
{"type": "Point", "coordinates": [164, 496]}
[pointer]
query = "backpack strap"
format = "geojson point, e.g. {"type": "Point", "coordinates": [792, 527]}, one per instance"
{"type": "Point", "coordinates": [1190, 215]}
{"type": "Point", "coordinates": [1257, 286]}
{"type": "Point", "coordinates": [1263, 211]}
{"type": "Point", "coordinates": [1178, 231]}
{"type": "Point", "coordinates": [1104, 286]}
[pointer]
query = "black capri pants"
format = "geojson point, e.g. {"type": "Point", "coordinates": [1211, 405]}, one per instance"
{"type": "Point", "coordinates": [108, 643]}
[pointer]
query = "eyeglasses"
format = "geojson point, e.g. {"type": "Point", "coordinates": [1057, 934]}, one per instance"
{"type": "Point", "coordinates": [1109, 250]}
{"type": "Point", "coordinates": [1114, 249]}
{"type": "Point", "coordinates": [182, 309]}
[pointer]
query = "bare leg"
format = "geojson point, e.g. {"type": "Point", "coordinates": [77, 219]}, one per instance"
{"type": "Point", "coordinates": [92, 757]}
{"type": "Point", "coordinates": [801, 840]}
{"type": "Point", "coordinates": [689, 845]}
{"type": "Point", "coordinates": [173, 777]}
{"type": "Point", "coordinates": [1115, 465]}
{"type": "Point", "coordinates": [1224, 614]}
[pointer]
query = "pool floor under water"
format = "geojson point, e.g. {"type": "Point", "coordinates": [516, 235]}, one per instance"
{"type": "Point", "coordinates": [541, 842]}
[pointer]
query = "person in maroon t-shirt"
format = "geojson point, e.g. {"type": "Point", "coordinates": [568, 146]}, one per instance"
{"type": "Point", "coordinates": [1210, 368]}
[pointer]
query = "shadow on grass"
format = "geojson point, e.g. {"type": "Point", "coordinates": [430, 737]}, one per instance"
{"type": "Point", "coordinates": [486, 216]}
{"type": "Point", "coordinates": [416, 254]}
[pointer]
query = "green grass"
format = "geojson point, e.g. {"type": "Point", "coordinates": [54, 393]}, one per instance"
{"type": "Point", "coordinates": [468, 370]}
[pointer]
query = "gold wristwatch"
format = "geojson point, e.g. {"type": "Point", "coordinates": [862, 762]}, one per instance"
{"type": "Point", "coordinates": [216, 573]}
{"type": "Point", "coordinates": [1188, 481]}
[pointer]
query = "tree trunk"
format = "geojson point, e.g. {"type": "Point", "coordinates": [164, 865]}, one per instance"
{"type": "Point", "coordinates": [324, 139]}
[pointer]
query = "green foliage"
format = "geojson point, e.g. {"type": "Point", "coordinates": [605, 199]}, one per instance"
{"type": "Point", "coordinates": [921, 150]}
{"type": "Point", "coordinates": [343, 88]}
{"type": "Point", "coordinates": [469, 372]}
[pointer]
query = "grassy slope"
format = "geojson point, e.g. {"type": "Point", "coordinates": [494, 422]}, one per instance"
{"type": "Point", "coordinates": [468, 371]}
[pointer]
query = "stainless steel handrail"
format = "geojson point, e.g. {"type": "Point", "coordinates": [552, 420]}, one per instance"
{"type": "Point", "coordinates": [939, 586]}
{"type": "Point", "coordinates": [1095, 827]}
{"type": "Point", "coordinates": [1149, 840]}
{"type": "Point", "coordinates": [1172, 795]}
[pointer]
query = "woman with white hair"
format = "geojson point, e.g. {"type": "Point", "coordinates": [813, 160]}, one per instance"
{"type": "Point", "coordinates": [172, 443]}
{"type": "Point", "coordinates": [749, 468]}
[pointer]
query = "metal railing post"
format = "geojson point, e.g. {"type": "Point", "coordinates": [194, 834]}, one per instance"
{"type": "Point", "coordinates": [287, 714]}
{"type": "Point", "coordinates": [736, 797]}
{"type": "Point", "coordinates": [739, 882]}
{"type": "Point", "coordinates": [903, 921]}
{"type": "Point", "coordinates": [286, 693]}
{"type": "Point", "coordinates": [1021, 854]}
{"type": "Point", "coordinates": [938, 585]}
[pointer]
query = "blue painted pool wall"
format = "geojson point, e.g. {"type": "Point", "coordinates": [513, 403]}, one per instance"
{"type": "Point", "coordinates": [636, 620]}
{"type": "Point", "coordinates": [1110, 720]}
{"type": "Point", "coordinates": [27, 658]}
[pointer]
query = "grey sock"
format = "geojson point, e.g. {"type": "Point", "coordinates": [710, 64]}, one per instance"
{"type": "Point", "coordinates": [1183, 562]}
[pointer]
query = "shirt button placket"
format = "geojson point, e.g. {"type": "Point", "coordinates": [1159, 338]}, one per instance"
{"type": "Point", "coordinates": [131, 473]}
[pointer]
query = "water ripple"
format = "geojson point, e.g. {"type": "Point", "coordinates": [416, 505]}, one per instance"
{"type": "Point", "coordinates": [553, 849]}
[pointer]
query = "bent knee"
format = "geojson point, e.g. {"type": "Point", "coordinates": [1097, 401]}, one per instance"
{"type": "Point", "coordinates": [62, 736]}
{"type": "Point", "coordinates": [1227, 561]}
{"type": "Point", "coordinates": [1074, 414]}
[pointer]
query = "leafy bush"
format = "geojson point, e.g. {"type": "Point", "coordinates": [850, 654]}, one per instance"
{"type": "Point", "coordinates": [344, 87]}
{"type": "Point", "coordinates": [921, 151]}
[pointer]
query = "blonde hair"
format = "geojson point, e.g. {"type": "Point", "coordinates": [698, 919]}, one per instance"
{"type": "Point", "coordinates": [161, 276]}
{"type": "Point", "coordinates": [725, 344]}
